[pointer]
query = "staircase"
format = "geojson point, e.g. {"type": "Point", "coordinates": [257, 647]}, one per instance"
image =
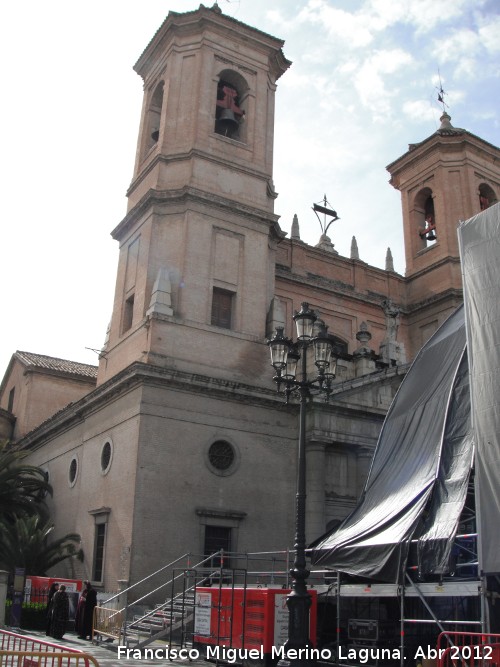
{"type": "Point", "coordinates": [134, 625]}
{"type": "Point", "coordinates": [171, 622]}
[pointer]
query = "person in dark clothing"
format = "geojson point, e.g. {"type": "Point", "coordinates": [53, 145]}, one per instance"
{"type": "Point", "coordinates": [88, 614]}
{"type": "Point", "coordinates": [80, 613]}
{"type": "Point", "coordinates": [60, 613]}
{"type": "Point", "coordinates": [52, 591]}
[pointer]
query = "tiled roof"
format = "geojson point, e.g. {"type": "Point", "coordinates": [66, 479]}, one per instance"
{"type": "Point", "coordinates": [55, 364]}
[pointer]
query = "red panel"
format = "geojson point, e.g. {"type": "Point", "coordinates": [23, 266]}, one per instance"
{"type": "Point", "coordinates": [251, 618]}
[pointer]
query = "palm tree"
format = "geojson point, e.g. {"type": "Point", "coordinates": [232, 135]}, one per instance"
{"type": "Point", "coordinates": [22, 486]}
{"type": "Point", "coordinates": [25, 543]}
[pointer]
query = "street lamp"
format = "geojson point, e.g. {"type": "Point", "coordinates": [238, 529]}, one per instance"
{"type": "Point", "coordinates": [285, 355]}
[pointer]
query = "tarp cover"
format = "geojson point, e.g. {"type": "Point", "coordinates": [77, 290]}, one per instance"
{"type": "Point", "coordinates": [422, 461]}
{"type": "Point", "coordinates": [480, 254]}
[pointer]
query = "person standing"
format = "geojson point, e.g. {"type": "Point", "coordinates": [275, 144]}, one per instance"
{"type": "Point", "coordinates": [88, 614]}
{"type": "Point", "coordinates": [60, 613]}
{"type": "Point", "coordinates": [50, 607]}
{"type": "Point", "coordinates": [80, 614]}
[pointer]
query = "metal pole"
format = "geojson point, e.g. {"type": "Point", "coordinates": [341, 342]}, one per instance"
{"type": "Point", "coordinates": [299, 600]}
{"type": "Point", "coordinates": [338, 613]}
{"type": "Point", "coordinates": [402, 625]}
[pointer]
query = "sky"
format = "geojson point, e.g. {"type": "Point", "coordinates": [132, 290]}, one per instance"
{"type": "Point", "coordinates": [363, 85]}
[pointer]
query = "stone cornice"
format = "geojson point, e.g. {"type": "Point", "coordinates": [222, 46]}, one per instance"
{"type": "Point", "coordinates": [449, 259]}
{"type": "Point", "coordinates": [435, 299]}
{"type": "Point", "coordinates": [439, 143]}
{"type": "Point", "coordinates": [220, 514]}
{"type": "Point", "coordinates": [354, 384]}
{"type": "Point", "coordinates": [138, 374]}
{"type": "Point", "coordinates": [173, 197]}
{"type": "Point", "coordinates": [210, 18]}
{"type": "Point", "coordinates": [7, 416]}
{"type": "Point", "coordinates": [195, 152]}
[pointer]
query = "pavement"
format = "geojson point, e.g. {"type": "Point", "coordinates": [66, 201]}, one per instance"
{"type": "Point", "coordinates": [110, 655]}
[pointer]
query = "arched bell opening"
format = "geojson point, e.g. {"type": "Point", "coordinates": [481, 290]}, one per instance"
{"type": "Point", "coordinates": [230, 105]}
{"type": "Point", "coordinates": [154, 116]}
{"type": "Point", "coordinates": [425, 218]}
{"type": "Point", "coordinates": [487, 196]}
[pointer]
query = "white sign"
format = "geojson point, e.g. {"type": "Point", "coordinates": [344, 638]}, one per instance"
{"type": "Point", "coordinates": [281, 615]}
{"type": "Point", "coordinates": [203, 613]}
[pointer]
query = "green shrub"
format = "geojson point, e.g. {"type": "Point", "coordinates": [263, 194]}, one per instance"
{"type": "Point", "coordinates": [33, 615]}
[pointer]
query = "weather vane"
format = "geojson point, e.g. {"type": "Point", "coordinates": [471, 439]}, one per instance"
{"type": "Point", "coordinates": [441, 93]}
{"type": "Point", "coordinates": [324, 207]}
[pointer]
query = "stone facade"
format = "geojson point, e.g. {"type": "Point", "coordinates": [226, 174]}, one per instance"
{"type": "Point", "coordinates": [184, 432]}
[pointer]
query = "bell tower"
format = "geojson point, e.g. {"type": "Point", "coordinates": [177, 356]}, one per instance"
{"type": "Point", "coordinates": [196, 245]}
{"type": "Point", "coordinates": [448, 177]}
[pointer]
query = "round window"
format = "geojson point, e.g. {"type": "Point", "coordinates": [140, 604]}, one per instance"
{"type": "Point", "coordinates": [106, 454]}
{"type": "Point", "coordinates": [73, 471]}
{"type": "Point", "coordinates": [221, 455]}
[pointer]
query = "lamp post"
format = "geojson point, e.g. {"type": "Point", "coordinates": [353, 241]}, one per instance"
{"type": "Point", "coordinates": [285, 355]}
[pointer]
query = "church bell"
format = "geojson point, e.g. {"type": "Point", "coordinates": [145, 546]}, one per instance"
{"type": "Point", "coordinates": [227, 123]}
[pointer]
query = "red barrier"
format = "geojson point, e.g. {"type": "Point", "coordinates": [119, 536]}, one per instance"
{"type": "Point", "coordinates": [11, 641]}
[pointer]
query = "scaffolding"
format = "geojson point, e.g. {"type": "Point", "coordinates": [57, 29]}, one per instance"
{"type": "Point", "coordinates": [399, 618]}
{"type": "Point", "coordinates": [352, 614]}
{"type": "Point", "coordinates": [408, 616]}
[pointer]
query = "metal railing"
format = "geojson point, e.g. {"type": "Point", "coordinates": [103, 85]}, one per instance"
{"type": "Point", "coordinates": [468, 649]}
{"type": "Point", "coordinates": [64, 658]}
{"type": "Point", "coordinates": [112, 623]}
{"type": "Point", "coordinates": [107, 622]}
{"type": "Point", "coordinates": [18, 649]}
{"type": "Point", "coordinates": [178, 582]}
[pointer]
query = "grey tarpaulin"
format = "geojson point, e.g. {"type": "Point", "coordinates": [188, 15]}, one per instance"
{"type": "Point", "coordinates": [423, 458]}
{"type": "Point", "coordinates": [479, 240]}
{"type": "Point", "coordinates": [450, 489]}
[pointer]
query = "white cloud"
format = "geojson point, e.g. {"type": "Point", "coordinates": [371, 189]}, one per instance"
{"type": "Point", "coordinates": [370, 82]}
{"type": "Point", "coordinates": [461, 50]}
{"type": "Point", "coordinates": [489, 35]}
{"type": "Point", "coordinates": [461, 44]}
{"type": "Point", "coordinates": [352, 29]}
{"type": "Point", "coordinates": [424, 15]}
{"type": "Point", "coordinates": [418, 110]}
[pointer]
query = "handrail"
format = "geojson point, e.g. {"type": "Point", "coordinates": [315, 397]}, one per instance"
{"type": "Point", "coordinates": [227, 554]}
{"type": "Point", "coordinates": [153, 574]}
{"type": "Point", "coordinates": [121, 614]}
{"type": "Point", "coordinates": [151, 612]}
{"type": "Point", "coordinates": [166, 583]}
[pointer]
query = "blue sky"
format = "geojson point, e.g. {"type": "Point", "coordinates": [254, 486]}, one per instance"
{"type": "Point", "coordinates": [363, 85]}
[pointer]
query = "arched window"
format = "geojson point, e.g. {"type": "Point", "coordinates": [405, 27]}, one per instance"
{"type": "Point", "coordinates": [154, 116]}
{"type": "Point", "coordinates": [230, 105]}
{"type": "Point", "coordinates": [425, 218]}
{"type": "Point", "coordinates": [487, 196]}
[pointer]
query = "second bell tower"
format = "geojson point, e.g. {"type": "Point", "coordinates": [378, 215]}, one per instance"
{"type": "Point", "coordinates": [196, 243]}
{"type": "Point", "coordinates": [448, 177]}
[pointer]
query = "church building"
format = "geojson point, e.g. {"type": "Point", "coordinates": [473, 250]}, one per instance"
{"type": "Point", "coordinates": [179, 442]}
